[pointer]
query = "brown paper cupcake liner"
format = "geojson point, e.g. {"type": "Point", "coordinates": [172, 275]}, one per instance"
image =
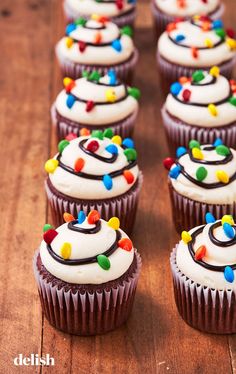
{"type": "Point", "coordinates": [179, 134]}
{"type": "Point", "coordinates": [64, 126]}
{"type": "Point", "coordinates": [124, 207]}
{"type": "Point", "coordinates": [87, 312]}
{"type": "Point", "coordinates": [170, 72]}
{"type": "Point", "coordinates": [188, 213]}
{"type": "Point", "coordinates": [203, 308]}
{"type": "Point", "coordinates": [161, 20]}
{"type": "Point", "coordinates": [123, 70]}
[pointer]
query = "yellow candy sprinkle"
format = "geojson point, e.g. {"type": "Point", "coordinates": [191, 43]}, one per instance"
{"type": "Point", "coordinates": [66, 251]}
{"type": "Point", "coordinates": [231, 43]}
{"type": "Point", "coordinates": [67, 81]}
{"type": "Point", "coordinates": [227, 218]}
{"type": "Point", "coordinates": [186, 237]}
{"type": "Point", "coordinates": [213, 110]}
{"type": "Point", "coordinates": [197, 153]}
{"type": "Point", "coordinates": [215, 71]}
{"type": "Point", "coordinates": [110, 95]}
{"type": "Point", "coordinates": [117, 139]}
{"type": "Point", "coordinates": [196, 17]}
{"type": "Point", "coordinates": [69, 42]}
{"type": "Point", "coordinates": [208, 43]}
{"type": "Point", "coordinates": [114, 223]}
{"type": "Point", "coordinates": [95, 17]}
{"type": "Point", "coordinates": [51, 165]}
{"type": "Point", "coordinates": [222, 176]}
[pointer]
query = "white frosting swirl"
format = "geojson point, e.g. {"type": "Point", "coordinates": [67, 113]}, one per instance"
{"type": "Point", "coordinates": [79, 187]}
{"type": "Point", "coordinates": [101, 8]}
{"type": "Point", "coordinates": [190, 8]}
{"type": "Point", "coordinates": [203, 95]}
{"type": "Point", "coordinates": [85, 246]}
{"type": "Point", "coordinates": [225, 194]}
{"type": "Point", "coordinates": [96, 54]}
{"type": "Point", "coordinates": [101, 114]}
{"type": "Point", "coordinates": [194, 37]}
{"type": "Point", "coordinates": [215, 255]}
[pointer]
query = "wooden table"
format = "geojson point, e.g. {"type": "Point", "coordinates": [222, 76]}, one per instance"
{"type": "Point", "coordinates": [155, 339]}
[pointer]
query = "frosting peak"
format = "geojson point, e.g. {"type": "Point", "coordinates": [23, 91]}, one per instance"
{"type": "Point", "coordinates": [187, 8]}
{"type": "Point", "coordinates": [111, 8]}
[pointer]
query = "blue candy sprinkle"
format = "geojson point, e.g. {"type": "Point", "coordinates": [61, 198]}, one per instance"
{"type": "Point", "coordinates": [128, 143]}
{"type": "Point", "coordinates": [70, 101]}
{"type": "Point", "coordinates": [175, 88]}
{"type": "Point", "coordinates": [179, 38]}
{"type": "Point", "coordinates": [112, 148]}
{"type": "Point", "coordinates": [217, 142]}
{"type": "Point", "coordinates": [181, 151]}
{"type": "Point", "coordinates": [229, 274]}
{"type": "Point", "coordinates": [112, 75]}
{"type": "Point", "coordinates": [217, 24]}
{"type": "Point", "coordinates": [228, 230]}
{"type": "Point", "coordinates": [107, 181]}
{"type": "Point", "coordinates": [69, 28]}
{"type": "Point", "coordinates": [132, 1]}
{"type": "Point", "coordinates": [174, 172]}
{"type": "Point", "coordinates": [81, 217]}
{"type": "Point", "coordinates": [116, 44]}
{"type": "Point", "coordinates": [209, 218]}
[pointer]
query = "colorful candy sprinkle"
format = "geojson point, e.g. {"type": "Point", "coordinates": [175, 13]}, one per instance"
{"type": "Point", "coordinates": [127, 30]}
{"type": "Point", "coordinates": [93, 217]}
{"type": "Point", "coordinates": [213, 110]}
{"type": "Point", "coordinates": [209, 218]}
{"type": "Point", "coordinates": [68, 217]}
{"type": "Point", "coordinates": [125, 244]}
{"type": "Point", "coordinates": [107, 181]}
{"type": "Point", "coordinates": [227, 218]}
{"type": "Point", "coordinates": [201, 173]}
{"type": "Point", "coordinates": [168, 162]}
{"type": "Point", "coordinates": [229, 274]}
{"type": "Point", "coordinates": [217, 24]}
{"type": "Point", "coordinates": [79, 164]}
{"type": "Point", "coordinates": [66, 250]}
{"type": "Point", "coordinates": [95, 76]}
{"type": "Point", "coordinates": [84, 132]}
{"type": "Point", "coordinates": [116, 139]}
{"type": "Point", "coordinates": [217, 142]}
{"type": "Point", "coordinates": [112, 76]}
{"type": "Point", "coordinates": [222, 176]}
{"type": "Point", "coordinates": [208, 43]}
{"type": "Point", "coordinates": [71, 136]}
{"type": "Point", "coordinates": [80, 22]}
{"type": "Point", "coordinates": [200, 253]}
{"type": "Point", "coordinates": [110, 95]}
{"type": "Point", "coordinates": [198, 76]}
{"type": "Point", "coordinates": [97, 134]}
{"type": "Point", "coordinates": [231, 43]}
{"type": "Point", "coordinates": [181, 151]}
{"type": "Point", "coordinates": [194, 144]}
{"type": "Point", "coordinates": [221, 33]}
{"type": "Point", "coordinates": [128, 143]}
{"type": "Point", "coordinates": [70, 101]}
{"type": "Point", "coordinates": [93, 146]}
{"type": "Point", "coordinates": [69, 42]}
{"type": "Point", "coordinates": [82, 46]}
{"type": "Point", "coordinates": [222, 150]}
{"type": "Point", "coordinates": [62, 145]}
{"type": "Point", "coordinates": [174, 172]}
{"type": "Point", "coordinates": [128, 176]}
{"type": "Point", "coordinates": [131, 154]}
{"type": "Point", "coordinates": [228, 230]}
{"type": "Point", "coordinates": [134, 92]}
{"type": "Point", "coordinates": [179, 38]}
{"type": "Point", "coordinates": [171, 26]}
{"type": "Point", "coordinates": [98, 38]}
{"type": "Point", "coordinates": [103, 262]}
{"type": "Point", "coordinates": [116, 44]}
{"type": "Point", "coordinates": [47, 227]}
{"type": "Point", "coordinates": [49, 235]}
{"type": "Point", "coordinates": [215, 71]}
{"type": "Point", "coordinates": [175, 88]}
{"type": "Point", "coordinates": [112, 148]}
{"type": "Point", "coordinates": [197, 154]}
{"type": "Point", "coordinates": [114, 223]}
{"type": "Point", "coordinates": [186, 237]}
{"type": "Point", "coordinates": [69, 28]}
{"type": "Point", "coordinates": [194, 52]}
{"type": "Point", "coordinates": [89, 106]}
{"type": "Point", "coordinates": [81, 217]}
{"type": "Point", "coordinates": [186, 95]}
{"type": "Point", "coordinates": [230, 33]}
{"type": "Point", "coordinates": [51, 165]}
{"type": "Point", "coordinates": [232, 100]}
{"type": "Point", "coordinates": [108, 133]}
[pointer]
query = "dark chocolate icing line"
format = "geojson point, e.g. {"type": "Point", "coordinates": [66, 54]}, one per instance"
{"type": "Point", "coordinates": [93, 230]}
{"type": "Point", "coordinates": [110, 160]}
{"type": "Point", "coordinates": [104, 102]}
{"type": "Point", "coordinates": [201, 262]}
{"type": "Point", "coordinates": [110, 85]}
{"type": "Point", "coordinates": [84, 261]}
{"type": "Point", "coordinates": [212, 81]}
{"type": "Point", "coordinates": [201, 105]}
{"type": "Point", "coordinates": [218, 242]}
{"type": "Point", "coordinates": [221, 41]}
{"type": "Point", "coordinates": [227, 158]}
{"type": "Point", "coordinates": [96, 44]}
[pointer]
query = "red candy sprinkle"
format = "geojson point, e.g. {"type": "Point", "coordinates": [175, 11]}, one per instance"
{"type": "Point", "coordinates": [186, 95]}
{"type": "Point", "coordinates": [125, 244]}
{"type": "Point", "coordinates": [49, 235]}
{"type": "Point", "coordinates": [128, 176]}
{"type": "Point", "coordinates": [71, 136]}
{"type": "Point", "coordinates": [179, 19]}
{"type": "Point", "coordinates": [98, 38]}
{"type": "Point", "coordinates": [200, 253]}
{"type": "Point", "coordinates": [68, 217]}
{"type": "Point", "coordinates": [84, 132]}
{"type": "Point", "coordinates": [171, 26]}
{"type": "Point", "coordinates": [104, 19]}
{"type": "Point", "coordinates": [89, 105]}
{"type": "Point", "coordinates": [79, 164]}
{"type": "Point", "coordinates": [70, 86]}
{"type": "Point", "coordinates": [93, 217]}
{"type": "Point", "coordinates": [119, 4]}
{"type": "Point", "coordinates": [194, 52]}
{"type": "Point", "coordinates": [230, 33]}
{"type": "Point", "coordinates": [82, 46]}
{"type": "Point", "coordinates": [168, 162]}
{"type": "Point", "coordinates": [93, 146]}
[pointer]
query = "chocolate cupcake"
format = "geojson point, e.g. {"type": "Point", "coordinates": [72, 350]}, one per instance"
{"type": "Point", "coordinates": [202, 107]}
{"type": "Point", "coordinates": [167, 11]}
{"type": "Point", "coordinates": [203, 268]}
{"type": "Point", "coordinates": [97, 44]}
{"type": "Point", "coordinates": [95, 102]}
{"type": "Point", "coordinates": [121, 12]}
{"type": "Point", "coordinates": [199, 43]}
{"type": "Point", "coordinates": [202, 179]}
{"type": "Point", "coordinates": [87, 272]}
{"type": "Point", "coordinates": [97, 171]}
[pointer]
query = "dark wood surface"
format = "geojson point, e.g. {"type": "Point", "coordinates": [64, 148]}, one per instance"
{"type": "Point", "coordinates": [155, 339]}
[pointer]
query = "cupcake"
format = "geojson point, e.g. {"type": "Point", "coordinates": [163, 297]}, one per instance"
{"type": "Point", "coordinates": [97, 171]}
{"type": "Point", "coordinates": [87, 272]}
{"type": "Point", "coordinates": [97, 44]}
{"type": "Point", "coordinates": [202, 107]}
{"type": "Point", "coordinates": [202, 179]}
{"type": "Point", "coordinates": [95, 102]}
{"type": "Point", "coordinates": [167, 11]}
{"type": "Point", "coordinates": [203, 268]}
{"type": "Point", "coordinates": [199, 43]}
{"type": "Point", "coordinates": [121, 12]}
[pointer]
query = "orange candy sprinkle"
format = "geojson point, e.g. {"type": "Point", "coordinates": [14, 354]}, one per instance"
{"type": "Point", "coordinates": [98, 38]}
{"type": "Point", "coordinates": [194, 52]}
{"type": "Point", "coordinates": [206, 26]}
{"type": "Point", "coordinates": [79, 164]}
{"type": "Point", "coordinates": [181, 3]}
{"type": "Point", "coordinates": [93, 217]}
{"type": "Point", "coordinates": [171, 26]}
{"type": "Point", "coordinates": [200, 253]}
{"type": "Point", "coordinates": [128, 176]}
{"type": "Point", "coordinates": [70, 86]}
{"type": "Point", "coordinates": [68, 217]}
{"type": "Point", "coordinates": [84, 132]}
{"type": "Point", "coordinates": [183, 80]}
{"type": "Point", "coordinates": [125, 244]}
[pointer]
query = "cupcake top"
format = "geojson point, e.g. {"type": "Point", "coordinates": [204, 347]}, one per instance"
{"type": "Point", "coordinates": [96, 166]}
{"type": "Point", "coordinates": [204, 173]}
{"type": "Point", "coordinates": [96, 41]}
{"type": "Point", "coordinates": [207, 99]}
{"type": "Point", "coordinates": [199, 42]}
{"type": "Point", "coordinates": [187, 8]}
{"type": "Point", "coordinates": [86, 250]}
{"type": "Point", "coordinates": [96, 99]}
{"type": "Point", "coordinates": [207, 253]}
{"type": "Point", "coordinates": [108, 8]}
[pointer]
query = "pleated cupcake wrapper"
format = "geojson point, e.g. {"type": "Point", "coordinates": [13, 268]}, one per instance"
{"type": "Point", "coordinates": [203, 308]}
{"type": "Point", "coordinates": [170, 72]}
{"type": "Point", "coordinates": [87, 312]}
{"type": "Point", "coordinates": [123, 20]}
{"type": "Point", "coordinates": [188, 213]}
{"type": "Point", "coordinates": [124, 207]}
{"type": "Point", "coordinates": [74, 70]}
{"type": "Point", "coordinates": [179, 134]}
{"type": "Point", "coordinates": [123, 128]}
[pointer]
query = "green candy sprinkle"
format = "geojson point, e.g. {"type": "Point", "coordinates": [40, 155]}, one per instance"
{"type": "Point", "coordinates": [221, 33]}
{"type": "Point", "coordinates": [201, 173]}
{"type": "Point", "coordinates": [85, 74]}
{"type": "Point", "coordinates": [108, 133]}
{"type": "Point", "coordinates": [232, 100]}
{"type": "Point", "coordinates": [80, 22]}
{"type": "Point", "coordinates": [222, 150]}
{"type": "Point", "coordinates": [127, 30]}
{"type": "Point", "coordinates": [94, 76]}
{"type": "Point", "coordinates": [47, 227]}
{"type": "Point", "coordinates": [198, 76]}
{"type": "Point", "coordinates": [131, 154]}
{"type": "Point", "coordinates": [62, 145]}
{"type": "Point", "coordinates": [194, 144]}
{"type": "Point", "coordinates": [104, 262]}
{"type": "Point", "coordinates": [135, 92]}
{"type": "Point", "coordinates": [97, 134]}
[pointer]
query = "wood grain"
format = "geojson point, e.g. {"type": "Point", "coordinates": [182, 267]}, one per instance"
{"type": "Point", "coordinates": [155, 339]}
